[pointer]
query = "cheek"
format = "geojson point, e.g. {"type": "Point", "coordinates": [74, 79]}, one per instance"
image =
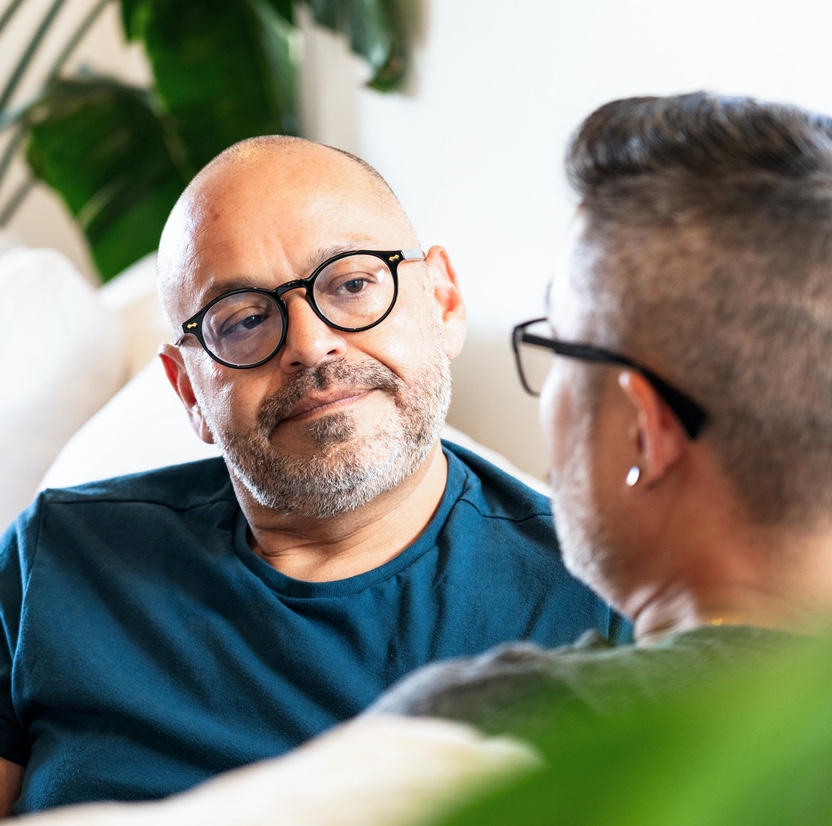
{"type": "Point", "coordinates": [556, 418]}
{"type": "Point", "coordinates": [615, 455]}
{"type": "Point", "coordinates": [232, 398]}
{"type": "Point", "coordinates": [546, 419]}
{"type": "Point", "coordinates": [406, 340]}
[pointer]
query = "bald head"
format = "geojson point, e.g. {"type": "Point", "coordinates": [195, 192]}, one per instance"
{"type": "Point", "coordinates": [268, 192]}
{"type": "Point", "coordinates": [262, 145]}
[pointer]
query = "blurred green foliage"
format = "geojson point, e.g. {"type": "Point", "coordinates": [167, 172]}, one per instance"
{"type": "Point", "coordinates": [749, 748]}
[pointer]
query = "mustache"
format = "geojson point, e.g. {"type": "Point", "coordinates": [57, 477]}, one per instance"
{"type": "Point", "coordinates": [362, 376]}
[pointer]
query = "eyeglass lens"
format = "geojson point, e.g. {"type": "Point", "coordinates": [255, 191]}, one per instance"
{"type": "Point", "coordinates": [351, 293]}
{"type": "Point", "coordinates": [534, 360]}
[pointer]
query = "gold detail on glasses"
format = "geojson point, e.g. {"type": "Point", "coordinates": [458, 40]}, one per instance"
{"type": "Point", "coordinates": [394, 257]}
{"type": "Point", "coordinates": [192, 325]}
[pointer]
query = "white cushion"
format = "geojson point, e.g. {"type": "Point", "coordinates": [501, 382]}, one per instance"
{"type": "Point", "coordinates": [385, 771]}
{"type": "Point", "coordinates": [62, 355]}
{"type": "Point", "coordinates": [133, 295]}
{"type": "Point", "coordinates": [144, 426]}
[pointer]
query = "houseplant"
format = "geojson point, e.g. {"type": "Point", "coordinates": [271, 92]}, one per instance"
{"type": "Point", "coordinates": [222, 70]}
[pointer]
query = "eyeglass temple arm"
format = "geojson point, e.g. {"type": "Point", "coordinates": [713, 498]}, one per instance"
{"type": "Point", "coordinates": [690, 414]}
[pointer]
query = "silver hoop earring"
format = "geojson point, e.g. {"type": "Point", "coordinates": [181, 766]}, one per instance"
{"type": "Point", "coordinates": [633, 475]}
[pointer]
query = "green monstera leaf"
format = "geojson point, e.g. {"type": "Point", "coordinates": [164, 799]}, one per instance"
{"type": "Point", "coordinates": [224, 71]}
{"type": "Point", "coordinates": [102, 146]}
{"type": "Point", "coordinates": [374, 32]}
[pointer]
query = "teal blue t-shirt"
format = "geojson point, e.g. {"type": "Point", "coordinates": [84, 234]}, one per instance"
{"type": "Point", "coordinates": [146, 647]}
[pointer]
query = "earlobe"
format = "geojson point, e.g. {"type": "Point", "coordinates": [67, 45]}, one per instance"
{"type": "Point", "coordinates": [659, 439]}
{"type": "Point", "coordinates": [448, 299]}
{"type": "Point", "coordinates": [181, 383]}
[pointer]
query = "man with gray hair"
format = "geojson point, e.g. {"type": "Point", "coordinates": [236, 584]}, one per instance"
{"type": "Point", "coordinates": [686, 403]}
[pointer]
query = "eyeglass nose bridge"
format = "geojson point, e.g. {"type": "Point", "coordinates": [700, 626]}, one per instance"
{"type": "Point", "coordinates": [306, 284]}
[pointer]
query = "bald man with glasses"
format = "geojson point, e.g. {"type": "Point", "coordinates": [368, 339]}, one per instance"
{"type": "Point", "coordinates": [165, 627]}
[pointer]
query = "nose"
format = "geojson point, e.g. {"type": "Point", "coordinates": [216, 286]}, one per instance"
{"type": "Point", "coordinates": [309, 340]}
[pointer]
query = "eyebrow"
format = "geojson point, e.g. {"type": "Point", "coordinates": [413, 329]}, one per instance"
{"type": "Point", "coordinates": [330, 250]}
{"type": "Point", "coordinates": [253, 282]}
{"type": "Point", "coordinates": [216, 289]}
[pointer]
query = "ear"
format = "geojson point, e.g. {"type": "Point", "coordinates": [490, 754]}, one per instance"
{"type": "Point", "coordinates": [448, 298]}
{"type": "Point", "coordinates": [181, 383]}
{"type": "Point", "coordinates": [660, 438]}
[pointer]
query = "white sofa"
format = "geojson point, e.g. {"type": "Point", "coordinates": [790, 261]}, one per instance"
{"type": "Point", "coordinates": [85, 395]}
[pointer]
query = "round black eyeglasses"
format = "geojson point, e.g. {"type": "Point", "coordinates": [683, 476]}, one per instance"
{"type": "Point", "coordinates": [533, 352]}
{"type": "Point", "coordinates": [352, 291]}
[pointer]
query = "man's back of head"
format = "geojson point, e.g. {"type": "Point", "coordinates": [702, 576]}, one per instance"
{"type": "Point", "coordinates": [708, 244]}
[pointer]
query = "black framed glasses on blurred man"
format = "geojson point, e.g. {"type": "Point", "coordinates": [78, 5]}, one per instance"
{"type": "Point", "coordinates": [534, 348]}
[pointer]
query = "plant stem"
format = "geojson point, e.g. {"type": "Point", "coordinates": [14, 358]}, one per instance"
{"type": "Point", "coordinates": [18, 197]}
{"type": "Point", "coordinates": [29, 53]}
{"type": "Point", "coordinates": [83, 27]}
{"type": "Point", "coordinates": [11, 148]}
{"type": "Point", "coordinates": [9, 13]}
{"type": "Point", "coordinates": [76, 37]}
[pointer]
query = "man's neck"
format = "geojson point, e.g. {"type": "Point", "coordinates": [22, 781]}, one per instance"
{"type": "Point", "coordinates": [780, 587]}
{"type": "Point", "coordinates": [349, 544]}
{"type": "Point", "coordinates": [734, 606]}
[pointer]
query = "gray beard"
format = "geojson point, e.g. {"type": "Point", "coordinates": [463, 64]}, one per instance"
{"type": "Point", "coordinates": [346, 471]}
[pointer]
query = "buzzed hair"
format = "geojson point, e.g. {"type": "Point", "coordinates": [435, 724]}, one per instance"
{"type": "Point", "coordinates": [286, 142]}
{"type": "Point", "coordinates": [708, 254]}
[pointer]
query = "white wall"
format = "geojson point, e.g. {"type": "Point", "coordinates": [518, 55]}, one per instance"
{"type": "Point", "coordinates": [474, 147]}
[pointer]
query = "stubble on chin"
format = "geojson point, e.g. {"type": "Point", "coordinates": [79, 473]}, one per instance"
{"type": "Point", "coordinates": [346, 470]}
{"type": "Point", "coordinates": [332, 429]}
{"type": "Point", "coordinates": [576, 525]}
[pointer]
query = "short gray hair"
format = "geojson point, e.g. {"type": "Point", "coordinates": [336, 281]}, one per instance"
{"type": "Point", "coordinates": [708, 230]}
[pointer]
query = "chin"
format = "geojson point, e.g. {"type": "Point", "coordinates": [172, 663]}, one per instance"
{"type": "Point", "coordinates": [342, 470]}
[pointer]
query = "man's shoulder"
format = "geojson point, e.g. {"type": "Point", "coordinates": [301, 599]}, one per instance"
{"type": "Point", "coordinates": [179, 487]}
{"type": "Point", "coordinates": [517, 687]}
{"type": "Point", "coordinates": [123, 511]}
{"type": "Point", "coordinates": [493, 491]}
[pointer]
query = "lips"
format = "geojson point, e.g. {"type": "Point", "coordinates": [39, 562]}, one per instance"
{"type": "Point", "coordinates": [311, 403]}
{"type": "Point", "coordinates": [328, 383]}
